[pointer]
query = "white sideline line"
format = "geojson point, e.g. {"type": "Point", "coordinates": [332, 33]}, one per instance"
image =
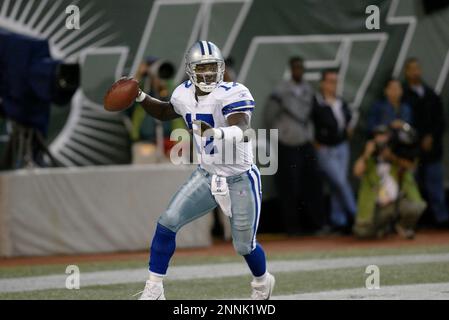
{"type": "Point", "coordinates": [210, 271]}
{"type": "Point", "coordinates": [428, 291]}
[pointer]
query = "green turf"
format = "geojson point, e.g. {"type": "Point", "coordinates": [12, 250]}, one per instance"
{"type": "Point", "coordinates": [37, 270]}
{"type": "Point", "coordinates": [238, 287]}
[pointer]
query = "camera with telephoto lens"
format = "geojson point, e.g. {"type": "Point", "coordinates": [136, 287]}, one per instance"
{"type": "Point", "coordinates": [402, 141]}
{"type": "Point", "coordinates": [381, 144]}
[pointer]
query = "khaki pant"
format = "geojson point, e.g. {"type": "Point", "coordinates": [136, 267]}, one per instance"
{"type": "Point", "coordinates": [408, 214]}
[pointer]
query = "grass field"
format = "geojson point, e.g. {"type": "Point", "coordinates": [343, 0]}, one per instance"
{"type": "Point", "coordinates": [339, 273]}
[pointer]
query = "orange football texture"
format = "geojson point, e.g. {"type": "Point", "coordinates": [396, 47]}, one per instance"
{"type": "Point", "coordinates": [121, 95]}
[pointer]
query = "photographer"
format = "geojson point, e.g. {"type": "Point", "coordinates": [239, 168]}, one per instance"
{"type": "Point", "coordinates": [150, 136]}
{"type": "Point", "coordinates": [388, 193]}
{"type": "Point", "coordinates": [143, 126]}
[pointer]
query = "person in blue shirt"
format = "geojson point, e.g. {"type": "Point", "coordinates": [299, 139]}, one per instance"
{"type": "Point", "coordinates": [391, 110]}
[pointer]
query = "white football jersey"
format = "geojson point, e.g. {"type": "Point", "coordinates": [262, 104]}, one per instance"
{"type": "Point", "coordinates": [214, 108]}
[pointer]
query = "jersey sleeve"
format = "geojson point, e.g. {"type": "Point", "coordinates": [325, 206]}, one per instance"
{"type": "Point", "coordinates": [176, 98]}
{"type": "Point", "coordinates": [237, 98]}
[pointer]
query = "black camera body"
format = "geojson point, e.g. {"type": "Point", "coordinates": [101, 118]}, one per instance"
{"type": "Point", "coordinates": [402, 141]}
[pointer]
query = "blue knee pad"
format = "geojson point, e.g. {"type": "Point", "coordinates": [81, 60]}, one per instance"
{"type": "Point", "coordinates": [162, 248]}
{"type": "Point", "coordinates": [256, 261]}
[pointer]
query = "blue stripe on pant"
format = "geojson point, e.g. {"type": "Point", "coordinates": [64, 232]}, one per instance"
{"type": "Point", "coordinates": [256, 187]}
{"type": "Point", "coordinates": [256, 258]}
{"type": "Point", "coordinates": [194, 199]}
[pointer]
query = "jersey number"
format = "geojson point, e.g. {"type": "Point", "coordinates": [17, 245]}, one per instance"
{"type": "Point", "coordinates": [235, 84]}
{"type": "Point", "coordinates": [209, 119]}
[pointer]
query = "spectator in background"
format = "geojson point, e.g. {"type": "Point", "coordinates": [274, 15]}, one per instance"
{"type": "Point", "coordinates": [428, 115]}
{"type": "Point", "coordinates": [331, 117]}
{"type": "Point", "coordinates": [151, 137]}
{"type": "Point", "coordinates": [230, 74]}
{"type": "Point", "coordinates": [298, 180]}
{"type": "Point", "coordinates": [388, 191]}
{"type": "Point", "coordinates": [143, 125]}
{"type": "Point", "coordinates": [391, 110]}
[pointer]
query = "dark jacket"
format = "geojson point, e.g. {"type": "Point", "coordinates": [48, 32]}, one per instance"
{"type": "Point", "coordinates": [383, 113]}
{"type": "Point", "coordinates": [327, 131]}
{"type": "Point", "coordinates": [428, 118]}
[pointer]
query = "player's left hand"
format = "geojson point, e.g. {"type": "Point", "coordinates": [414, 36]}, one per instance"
{"type": "Point", "coordinates": [202, 127]}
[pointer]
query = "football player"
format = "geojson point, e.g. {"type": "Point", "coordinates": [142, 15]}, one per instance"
{"type": "Point", "coordinates": [217, 112]}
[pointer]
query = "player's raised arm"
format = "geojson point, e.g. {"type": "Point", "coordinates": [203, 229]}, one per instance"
{"type": "Point", "coordinates": [162, 110]}
{"type": "Point", "coordinates": [125, 91]}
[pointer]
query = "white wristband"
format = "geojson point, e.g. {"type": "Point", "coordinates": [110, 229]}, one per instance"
{"type": "Point", "coordinates": [141, 96]}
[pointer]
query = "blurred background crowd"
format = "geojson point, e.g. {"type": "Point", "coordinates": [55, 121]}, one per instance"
{"type": "Point", "coordinates": [400, 169]}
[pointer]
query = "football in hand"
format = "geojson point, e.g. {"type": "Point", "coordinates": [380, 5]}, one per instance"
{"type": "Point", "coordinates": [121, 95]}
